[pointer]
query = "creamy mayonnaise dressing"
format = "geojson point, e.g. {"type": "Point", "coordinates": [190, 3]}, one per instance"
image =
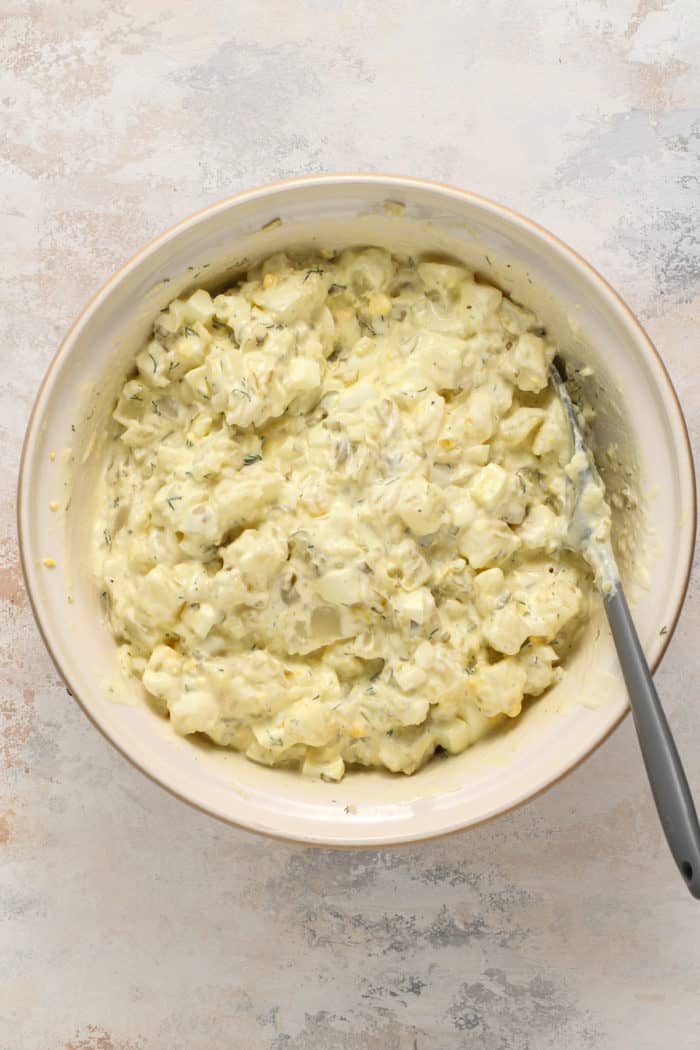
{"type": "Point", "coordinates": [591, 521]}
{"type": "Point", "coordinates": [331, 528]}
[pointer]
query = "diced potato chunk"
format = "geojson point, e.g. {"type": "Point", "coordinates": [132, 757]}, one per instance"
{"type": "Point", "coordinates": [498, 688]}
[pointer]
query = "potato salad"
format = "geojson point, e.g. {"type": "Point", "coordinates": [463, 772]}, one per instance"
{"type": "Point", "coordinates": [331, 528]}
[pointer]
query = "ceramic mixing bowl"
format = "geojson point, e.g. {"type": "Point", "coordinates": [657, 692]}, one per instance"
{"type": "Point", "coordinates": [647, 466]}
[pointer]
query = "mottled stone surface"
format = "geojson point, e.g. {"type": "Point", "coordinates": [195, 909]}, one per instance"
{"type": "Point", "coordinates": [130, 922]}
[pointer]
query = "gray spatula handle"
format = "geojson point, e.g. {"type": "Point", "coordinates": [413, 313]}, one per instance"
{"type": "Point", "coordinates": [664, 767]}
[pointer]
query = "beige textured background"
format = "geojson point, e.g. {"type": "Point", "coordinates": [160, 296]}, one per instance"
{"type": "Point", "coordinates": [129, 922]}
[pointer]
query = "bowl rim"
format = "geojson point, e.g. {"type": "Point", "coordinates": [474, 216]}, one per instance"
{"type": "Point", "coordinates": [270, 188]}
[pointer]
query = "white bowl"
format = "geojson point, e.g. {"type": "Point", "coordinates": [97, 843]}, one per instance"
{"type": "Point", "coordinates": [638, 410]}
